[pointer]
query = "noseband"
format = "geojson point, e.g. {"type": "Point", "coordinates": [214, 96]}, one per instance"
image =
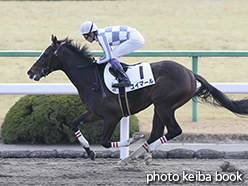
{"type": "Point", "coordinates": [46, 70]}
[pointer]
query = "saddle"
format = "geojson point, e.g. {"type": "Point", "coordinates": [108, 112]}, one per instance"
{"type": "Point", "coordinates": [124, 66]}
{"type": "Point", "coordinates": [140, 75]}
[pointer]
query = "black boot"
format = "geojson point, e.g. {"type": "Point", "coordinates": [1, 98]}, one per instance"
{"type": "Point", "coordinates": [122, 77]}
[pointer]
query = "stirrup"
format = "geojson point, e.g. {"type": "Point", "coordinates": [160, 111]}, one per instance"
{"type": "Point", "coordinates": [125, 83]}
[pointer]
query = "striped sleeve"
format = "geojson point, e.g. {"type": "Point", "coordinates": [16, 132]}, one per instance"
{"type": "Point", "coordinates": [103, 41]}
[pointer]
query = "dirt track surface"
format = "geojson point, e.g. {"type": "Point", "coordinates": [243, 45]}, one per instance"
{"type": "Point", "coordinates": [78, 172]}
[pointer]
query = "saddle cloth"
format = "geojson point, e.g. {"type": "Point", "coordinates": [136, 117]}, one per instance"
{"type": "Point", "coordinates": [140, 76]}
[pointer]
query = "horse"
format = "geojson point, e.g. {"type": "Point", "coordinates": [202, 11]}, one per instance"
{"type": "Point", "coordinates": [174, 86]}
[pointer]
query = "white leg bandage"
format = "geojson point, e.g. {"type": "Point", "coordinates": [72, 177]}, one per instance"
{"type": "Point", "coordinates": [139, 151]}
{"type": "Point", "coordinates": [81, 139]}
{"type": "Point", "coordinates": [157, 143]}
{"type": "Point", "coordinates": [120, 144]}
{"type": "Point", "coordinates": [134, 155]}
{"type": "Point", "coordinates": [136, 136]}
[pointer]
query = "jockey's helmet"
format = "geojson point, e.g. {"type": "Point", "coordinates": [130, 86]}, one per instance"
{"type": "Point", "coordinates": [88, 27]}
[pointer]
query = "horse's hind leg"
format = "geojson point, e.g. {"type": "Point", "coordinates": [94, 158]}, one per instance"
{"type": "Point", "coordinates": [173, 129]}
{"type": "Point", "coordinates": [157, 131]}
{"type": "Point", "coordinates": [156, 138]}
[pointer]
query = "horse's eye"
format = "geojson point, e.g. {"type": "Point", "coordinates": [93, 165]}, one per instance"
{"type": "Point", "coordinates": [45, 55]}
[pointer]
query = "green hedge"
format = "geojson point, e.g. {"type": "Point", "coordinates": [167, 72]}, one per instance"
{"type": "Point", "coordinates": [47, 119]}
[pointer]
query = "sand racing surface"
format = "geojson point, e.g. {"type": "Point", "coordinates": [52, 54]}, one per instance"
{"type": "Point", "coordinates": [79, 171]}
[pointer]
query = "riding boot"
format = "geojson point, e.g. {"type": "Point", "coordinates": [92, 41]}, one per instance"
{"type": "Point", "coordinates": [123, 79]}
{"type": "Point", "coordinates": [122, 76]}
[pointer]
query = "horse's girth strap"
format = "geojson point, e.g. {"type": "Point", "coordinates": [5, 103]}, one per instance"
{"type": "Point", "coordinates": [123, 102]}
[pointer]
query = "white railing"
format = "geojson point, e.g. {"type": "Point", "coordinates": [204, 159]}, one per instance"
{"type": "Point", "coordinates": [68, 88]}
{"type": "Point", "coordinates": [37, 88]}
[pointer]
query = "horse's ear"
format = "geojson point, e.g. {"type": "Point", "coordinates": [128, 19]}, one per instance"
{"type": "Point", "coordinates": [54, 39]}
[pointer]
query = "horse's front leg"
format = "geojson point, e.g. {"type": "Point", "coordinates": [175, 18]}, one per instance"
{"type": "Point", "coordinates": [84, 118]}
{"type": "Point", "coordinates": [109, 125]}
{"type": "Point", "coordinates": [136, 136]}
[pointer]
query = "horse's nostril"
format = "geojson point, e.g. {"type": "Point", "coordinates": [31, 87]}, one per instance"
{"type": "Point", "coordinates": [30, 74]}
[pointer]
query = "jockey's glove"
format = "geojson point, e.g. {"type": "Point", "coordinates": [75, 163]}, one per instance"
{"type": "Point", "coordinates": [94, 60]}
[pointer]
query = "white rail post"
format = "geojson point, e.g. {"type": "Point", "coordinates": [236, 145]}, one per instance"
{"type": "Point", "coordinates": [124, 135]}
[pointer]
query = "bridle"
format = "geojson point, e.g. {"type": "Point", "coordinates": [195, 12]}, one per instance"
{"type": "Point", "coordinates": [46, 70]}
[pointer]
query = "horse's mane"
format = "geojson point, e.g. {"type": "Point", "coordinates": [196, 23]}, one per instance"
{"type": "Point", "coordinates": [76, 47]}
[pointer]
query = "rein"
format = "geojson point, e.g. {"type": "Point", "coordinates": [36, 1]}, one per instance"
{"type": "Point", "coordinates": [46, 70]}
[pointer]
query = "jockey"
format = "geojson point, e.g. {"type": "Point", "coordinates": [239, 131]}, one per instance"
{"type": "Point", "coordinates": [128, 40]}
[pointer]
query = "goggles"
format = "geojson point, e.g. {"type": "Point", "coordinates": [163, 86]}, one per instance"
{"type": "Point", "coordinates": [88, 35]}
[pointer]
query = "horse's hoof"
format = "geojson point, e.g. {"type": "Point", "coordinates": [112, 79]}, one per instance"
{"type": "Point", "coordinates": [148, 159]}
{"type": "Point", "coordinates": [137, 136]}
{"type": "Point", "coordinates": [122, 163]}
{"type": "Point", "coordinates": [92, 155]}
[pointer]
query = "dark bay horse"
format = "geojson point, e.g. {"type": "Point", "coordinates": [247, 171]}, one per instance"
{"type": "Point", "coordinates": [174, 86]}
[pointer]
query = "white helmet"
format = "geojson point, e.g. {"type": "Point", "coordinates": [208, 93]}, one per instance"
{"type": "Point", "coordinates": [88, 27]}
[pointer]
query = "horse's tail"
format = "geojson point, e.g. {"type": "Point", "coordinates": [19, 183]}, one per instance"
{"type": "Point", "coordinates": [208, 93]}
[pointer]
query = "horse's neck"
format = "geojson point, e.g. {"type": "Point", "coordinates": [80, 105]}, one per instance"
{"type": "Point", "coordinates": [81, 74]}
{"type": "Point", "coordinates": [82, 78]}
{"type": "Point", "coordinates": [78, 68]}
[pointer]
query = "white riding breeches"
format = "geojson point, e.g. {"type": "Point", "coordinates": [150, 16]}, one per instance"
{"type": "Point", "coordinates": [135, 42]}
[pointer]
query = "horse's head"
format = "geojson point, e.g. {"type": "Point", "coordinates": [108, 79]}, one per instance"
{"type": "Point", "coordinates": [47, 62]}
